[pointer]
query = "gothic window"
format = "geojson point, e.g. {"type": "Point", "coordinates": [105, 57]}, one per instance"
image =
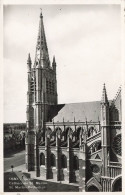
{"type": "Point", "coordinates": [49, 87]}
{"type": "Point", "coordinates": [63, 161]}
{"type": "Point", "coordinates": [42, 159]}
{"type": "Point", "coordinates": [53, 160]}
{"type": "Point", "coordinates": [116, 145]}
{"type": "Point", "coordinates": [53, 88]}
{"type": "Point", "coordinates": [31, 116]}
{"type": "Point", "coordinates": [95, 168]}
{"type": "Point", "coordinates": [32, 85]}
{"type": "Point", "coordinates": [75, 163]}
{"type": "Point", "coordinates": [117, 185]}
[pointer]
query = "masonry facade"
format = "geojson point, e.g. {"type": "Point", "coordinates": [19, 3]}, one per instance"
{"type": "Point", "coordinates": [75, 143]}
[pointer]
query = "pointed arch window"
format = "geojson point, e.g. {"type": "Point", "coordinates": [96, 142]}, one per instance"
{"type": "Point", "coordinates": [75, 163]}
{"type": "Point", "coordinates": [50, 87]}
{"type": "Point", "coordinates": [32, 85]}
{"type": "Point", "coordinates": [116, 145]}
{"type": "Point", "coordinates": [53, 160]}
{"type": "Point", "coordinates": [42, 159]}
{"type": "Point", "coordinates": [63, 161]}
{"type": "Point", "coordinates": [78, 133]}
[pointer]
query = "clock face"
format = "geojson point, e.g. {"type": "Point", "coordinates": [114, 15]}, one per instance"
{"type": "Point", "coordinates": [116, 145]}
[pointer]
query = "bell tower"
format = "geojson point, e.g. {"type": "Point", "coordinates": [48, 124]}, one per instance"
{"type": "Point", "coordinates": [45, 77]}
{"type": "Point", "coordinates": [42, 93]}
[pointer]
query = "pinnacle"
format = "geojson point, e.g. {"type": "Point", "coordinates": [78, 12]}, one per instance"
{"type": "Point", "coordinates": [104, 95]}
{"type": "Point", "coordinates": [54, 59]}
{"type": "Point", "coordinates": [29, 58]}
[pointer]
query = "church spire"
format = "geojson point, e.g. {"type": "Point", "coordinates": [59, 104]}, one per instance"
{"type": "Point", "coordinates": [42, 55]}
{"type": "Point", "coordinates": [104, 95]}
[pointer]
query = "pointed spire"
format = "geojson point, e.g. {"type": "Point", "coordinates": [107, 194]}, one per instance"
{"type": "Point", "coordinates": [42, 55]}
{"type": "Point", "coordinates": [29, 58]}
{"type": "Point", "coordinates": [104, 95]}
{"type": "Point", "coordinates": [54, 60]}
{"type": "Point", "coordinates": [29, 62]}
{"type": "Point", "coordinates": [54, 63]}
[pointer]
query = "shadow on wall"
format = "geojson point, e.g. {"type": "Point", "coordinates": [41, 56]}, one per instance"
{"type": "Point", "coordinates": [54, 111]}
{"type": "Point", "coordinates": [114, 113]}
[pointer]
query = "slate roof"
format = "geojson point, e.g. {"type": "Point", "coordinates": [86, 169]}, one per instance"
{"type": "Point", "coordinates": [81, 111]}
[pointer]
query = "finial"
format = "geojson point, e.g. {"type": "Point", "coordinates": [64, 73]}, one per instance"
{"type": "Point", "coordinates": [29, 58]}
{"type": "Point", "coordinates": [104, 94]}
{"type": "Point", "coordinates": [41, 15]}
{"type": "Point", "coordinates": [29, 63]}
{"type": "Point", "coordinates": [54, 61]}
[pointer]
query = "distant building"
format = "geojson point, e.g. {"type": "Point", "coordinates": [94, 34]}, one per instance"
{"type": "Point", "coordinates": [9, 127]}
{"type": "Point", "coordinates": [76, 143]}
{"type": "Point", "coordinates": [14, 136]}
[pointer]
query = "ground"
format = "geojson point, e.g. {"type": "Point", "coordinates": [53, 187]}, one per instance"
{"type": "Point", "coordinates": [19, 180]}
{"type": "Point", "coordinates": [15, 159]}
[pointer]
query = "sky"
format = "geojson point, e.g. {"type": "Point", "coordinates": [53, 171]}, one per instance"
{"type": "Point", "coordinates": [86, 42]}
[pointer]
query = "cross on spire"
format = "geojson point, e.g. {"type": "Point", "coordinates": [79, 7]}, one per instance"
{"type": "Point", "coordinates": [41, 15]}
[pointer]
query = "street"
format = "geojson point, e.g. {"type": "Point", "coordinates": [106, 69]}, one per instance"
{"type": "Point", "coordinates": [14, 159]}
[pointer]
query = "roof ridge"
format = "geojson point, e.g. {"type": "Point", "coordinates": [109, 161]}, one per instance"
{"type": "Point", "coordinates": [80, 102]}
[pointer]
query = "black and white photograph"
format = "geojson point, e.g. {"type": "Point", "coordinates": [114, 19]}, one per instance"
{"type": "Point", "coordinates": [62, 85]}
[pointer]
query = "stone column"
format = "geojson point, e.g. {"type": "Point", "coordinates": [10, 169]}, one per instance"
{"type": "Point", "coordinates": [47, 154]}
{"type": "Point", "coordinates": [36, 156]}
{"type": "Point", "coordinates": [82, 160]}
{"type": "Point", "coordinates": [82, 167]}
{"type": "Point", "coordinates": [58, 159]}
{"type": "Point", "coordinates": [69, 157]}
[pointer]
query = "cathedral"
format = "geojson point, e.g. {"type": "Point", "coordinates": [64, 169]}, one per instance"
{"type": "Point", "coordinates": [77, 143]}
